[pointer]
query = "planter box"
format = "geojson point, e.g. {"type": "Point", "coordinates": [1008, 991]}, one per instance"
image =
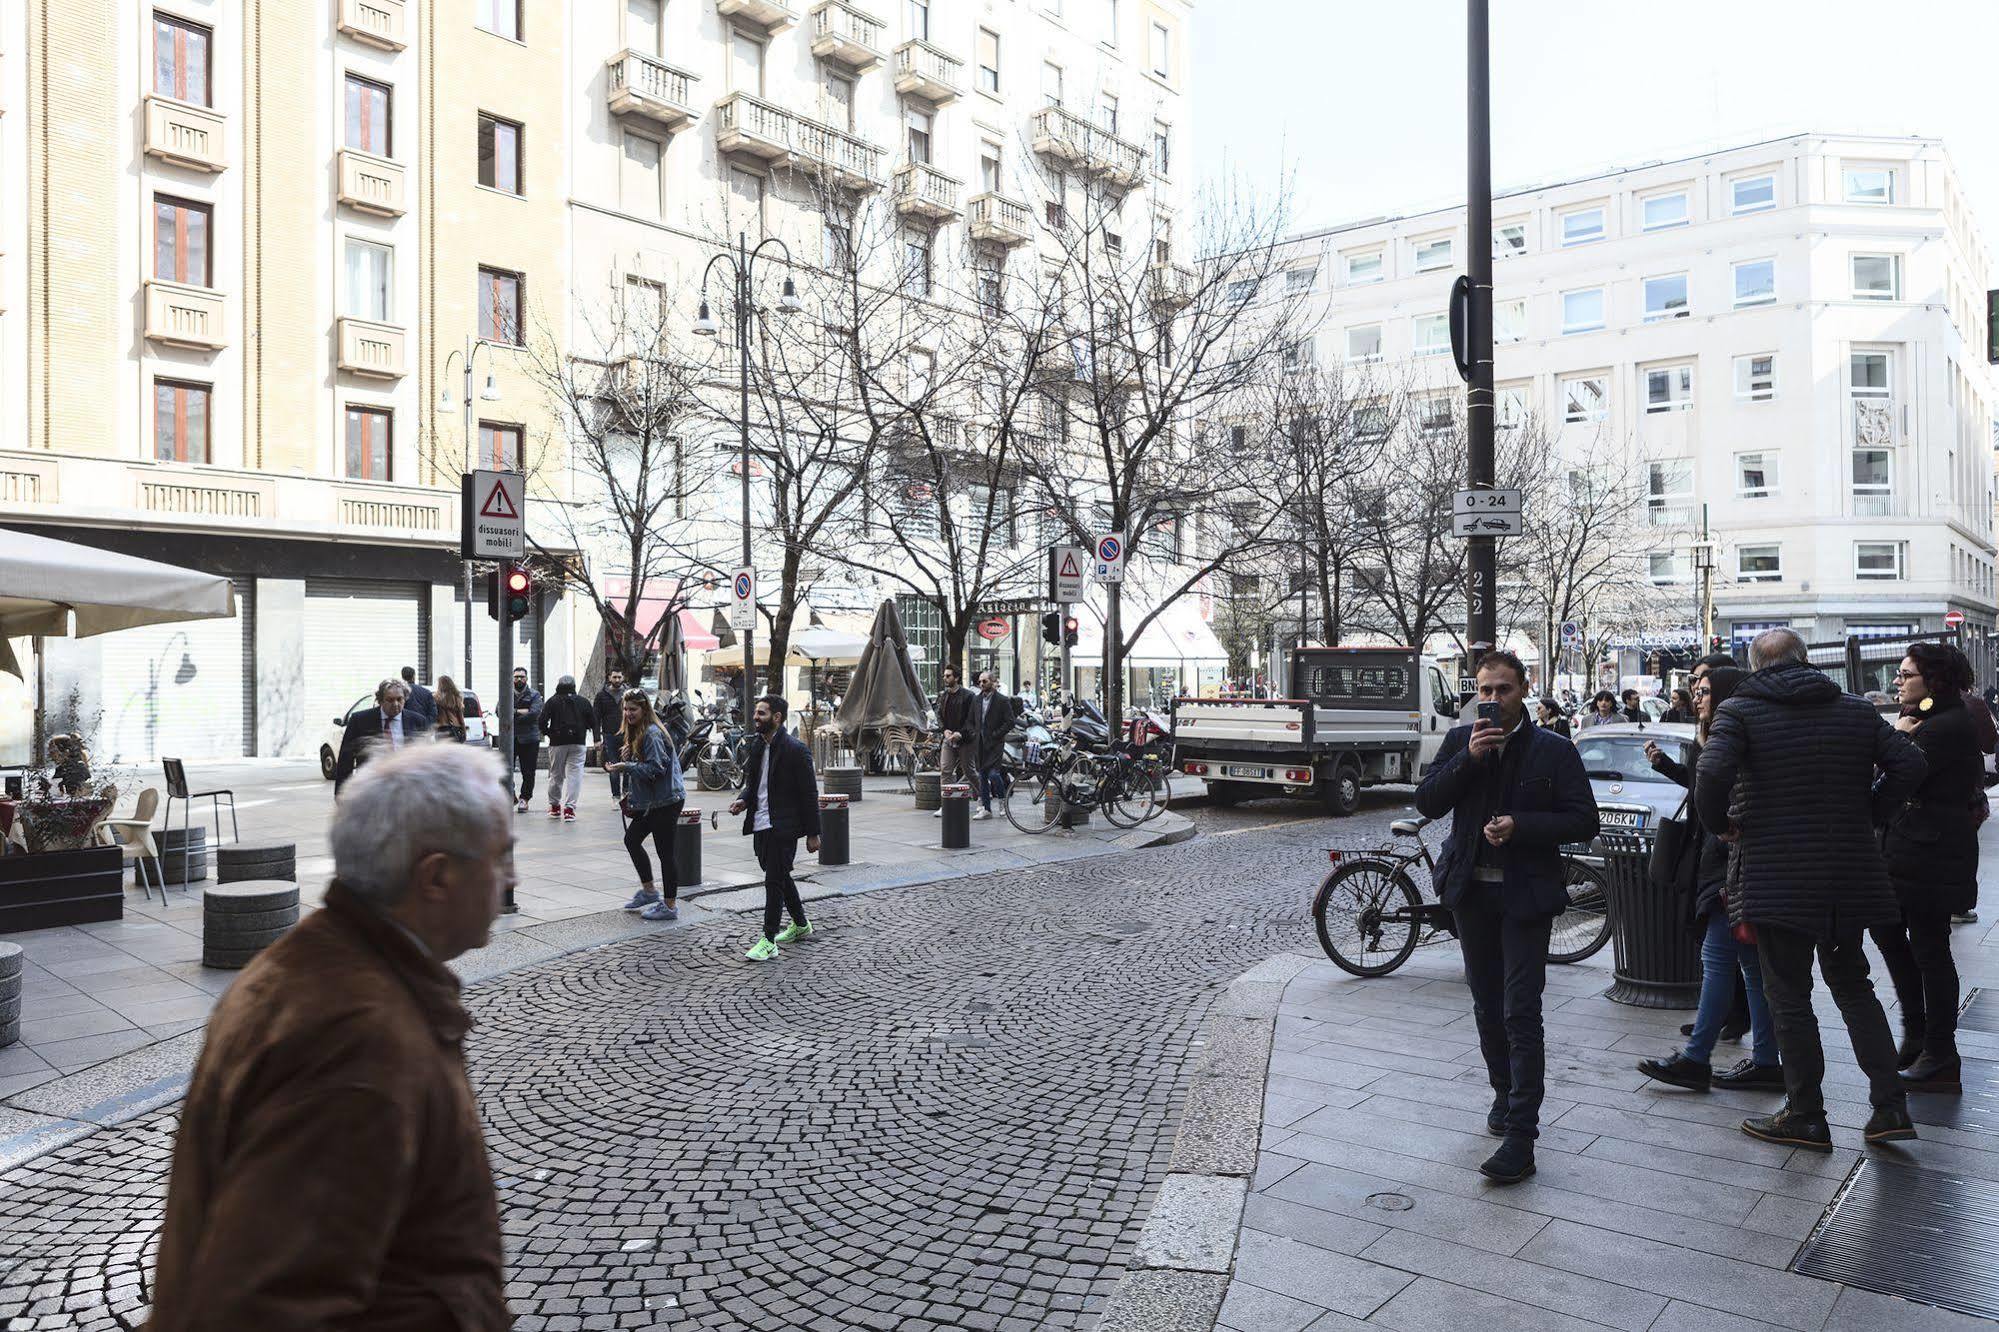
{"type": "Point", "coordinates": [38, 891]}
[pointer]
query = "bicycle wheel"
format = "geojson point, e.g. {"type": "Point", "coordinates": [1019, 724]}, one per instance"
{"type": "Point", "coordinates": [1585, 927]}
{"type": "Point", "coordinates": [1113, 790]}
{"type": "Point", "coordinates": [1129, 798]}
{"type": "Point", "coordinates": [1033, 801]}
{"type": "Point", "coordinates": [1154, 781]}
{"type": "Point", "coordinates": [1352, 910]}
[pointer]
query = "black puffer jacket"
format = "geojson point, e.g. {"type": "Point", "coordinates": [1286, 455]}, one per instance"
{"type": "Point", "coordinates": [1932, 841]}
{"type": "Point", "coordinates": [1796, 758]}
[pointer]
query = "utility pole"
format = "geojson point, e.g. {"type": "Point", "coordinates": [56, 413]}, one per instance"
{"type": "Point", "coordinates": [1482, 616]}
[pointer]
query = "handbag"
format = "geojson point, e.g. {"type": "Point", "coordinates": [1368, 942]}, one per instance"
{"type": "Point", "coordinates": [1675, 862]}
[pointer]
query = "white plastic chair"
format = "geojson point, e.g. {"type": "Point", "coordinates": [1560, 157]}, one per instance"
{"type": "Point", "coordinates": [134, 839]}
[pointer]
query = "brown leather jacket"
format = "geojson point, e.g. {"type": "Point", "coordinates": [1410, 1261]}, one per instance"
{"type": "Point", "coordinates": [330, 1171]}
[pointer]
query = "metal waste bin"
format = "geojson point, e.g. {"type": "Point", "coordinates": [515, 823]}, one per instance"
{"type": "Point", "coordinates": [687, 849]}
{"type": "Point", "coordinates": [833, 830]}
{"type": "Point", "coordinates": [1658, 956]}
{"type": "Point", "coordinates": [957, 803]}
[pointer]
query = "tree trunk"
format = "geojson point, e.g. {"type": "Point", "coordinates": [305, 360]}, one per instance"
{"type": "Point", "coordinates": [1114, 659]}
{"type": "Point", "coordinates": [956, 633]}
{"type": "Point", "coordinates": [778, 641]}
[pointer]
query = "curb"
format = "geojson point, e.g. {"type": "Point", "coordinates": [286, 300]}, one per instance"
{"type": "Point", "coordinates": [1180, 1267]}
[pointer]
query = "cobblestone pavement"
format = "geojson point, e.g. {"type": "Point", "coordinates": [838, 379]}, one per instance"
{"type": "Point", "coordinates": [949, 1110]}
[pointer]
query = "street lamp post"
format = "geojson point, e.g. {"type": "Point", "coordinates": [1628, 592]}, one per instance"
{"type": "Point", "coordinates": [1704, 573]}
{"type": "Point", "coordinates": [1482, 559]}
{"type": "Point", "coordinates": [490, 392]}
{"type": "Point", "coordinates": [742, 268]}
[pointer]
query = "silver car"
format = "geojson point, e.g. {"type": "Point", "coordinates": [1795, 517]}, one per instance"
{"type": "Point", "coordinates": [1631, 795]}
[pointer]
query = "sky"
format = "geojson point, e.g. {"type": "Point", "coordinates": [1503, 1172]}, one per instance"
{"type": "Point", "coordinates": [1362, 102]}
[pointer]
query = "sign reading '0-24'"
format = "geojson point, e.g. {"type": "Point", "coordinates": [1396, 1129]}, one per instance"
{"type": "Point", "coordinates": [1487, 511]}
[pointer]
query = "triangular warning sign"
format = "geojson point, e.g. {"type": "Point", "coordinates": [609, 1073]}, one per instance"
{"type": "Point", "coordinates": [1069, 569]}
{"type": "Point", "coordinates": [497, 504]}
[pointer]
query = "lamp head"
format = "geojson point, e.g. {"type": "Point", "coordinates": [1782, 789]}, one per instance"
{"type": "Point", "coordinates": [491, 392]}
{"type": "Point", "coordinates": [704, 322]}
{"type": "Point", "coordinates": [445, 405]}
{"type": "Point", "coordinates": [787, 301]}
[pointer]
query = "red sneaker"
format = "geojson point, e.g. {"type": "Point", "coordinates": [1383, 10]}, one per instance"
{"type": "Point", "coordinates": [569, 813]}
{"type": "Point", "coordinates": [555, 811]}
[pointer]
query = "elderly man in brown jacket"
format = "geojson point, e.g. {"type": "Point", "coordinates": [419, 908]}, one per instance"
{"type": "Point", "coordinates": [330, 1171]}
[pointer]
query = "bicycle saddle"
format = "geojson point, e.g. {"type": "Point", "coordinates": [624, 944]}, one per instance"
{"type": "Point", "coordinates": [1408, 827]}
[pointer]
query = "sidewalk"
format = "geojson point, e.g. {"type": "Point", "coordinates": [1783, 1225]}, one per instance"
{"type": "Point", "coordinates": [94, 992]}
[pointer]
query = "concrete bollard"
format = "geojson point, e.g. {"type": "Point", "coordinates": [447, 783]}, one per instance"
{"type": "Point", "coordinates": [241, 919]}
{"type": "Point", "coordinates": [256, 860]}
{"type": "Point", "coordinates": [687, 849]}
{"type": "Point", "coordinates": [927, 787]}
{"type": "Point", "coordinates": [833, 815]}
{"type": "Point", "coordinates": [10, 993]}
{"type": "Point", "coordinates": [841, 781]}
{"type": "Point", "coordinates": [957, 799]}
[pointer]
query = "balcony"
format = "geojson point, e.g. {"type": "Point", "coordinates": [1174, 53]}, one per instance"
{"type": "Point", "coordinates": [921, 190]}
{"type": "Point", "coordinates": [376, 22]}
{"type": "Point", "coordinates": [189, 136]}
{"type": "Point", "coordinates": [769, 15]}
{"type": "Point", "coordinates": [372, 349]}
{"type": "Point", "coordinates": [750, 125]}
{"type": "Point", "coordinates": [1173, 286]}
{"type": "Point", "coordinates": [1071, 140]}
{"type": "Point", "coordinates": [183, 316]}
{"type": "Point", "coordinates": [638, 85]}
{"type": "Point", "coordinates": [996, 218]}
{"type": "Point", "coordinates": [371, 184]}
{"type": "Point", "coordinates": [843, 35]}
{"type": "Point", "coordinates": [921, 70]}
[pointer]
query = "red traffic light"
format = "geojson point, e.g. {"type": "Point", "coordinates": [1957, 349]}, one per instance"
{"type": "Point", "coordinates": [1072, 624]}
{"type": "Point", "coordinates": [517, 581]}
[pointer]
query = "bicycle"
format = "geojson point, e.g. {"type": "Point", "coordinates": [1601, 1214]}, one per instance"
{"type": "Point", "coordinates": [1372, 913]}
{"type": "Point", "coordinates": [1050, 777]}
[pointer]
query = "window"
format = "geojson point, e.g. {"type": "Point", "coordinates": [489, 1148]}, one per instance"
{"type": "Point", "coordinates": [1242, 291]}
{"type": "Point", "coordinates": [180, 421]}
{"type": "Point", "coordinates": [1759, 564]}
{"type": "Point", "coordinates": [1509, 321]}
{"type": "Point", "coordinates": [1666, 297]}
{"type": "Point", "coordinates": [1110, 108]}
{"type": "Point", "coordinates": [1877, 277]}
{"type": "Point", "coordinates": [1585, 398]}
{"type": "Point", "coordinates": [501, 18]}
{"type": "Point", "coordinates": [1752, 194]}
{"type": "Point", "coordinates": [370, 273]}
{"type": "Point", "coordinates": [1755, 475]}
{"type": "Point", "coordinates": [1051, 83]}
{"type": "Point", "coordinates": [181, 61]}
{"type": "Point", "coordinates": [181, 239]}
{"type": "Point", "coordinates": [500, 446]}
{"type": "Point", "coordinates": [1299, 279]}
{"type": "Point", "coordinates": [1162, 148]}
{"type": "Point", "coordinates": [836, 242]}
{"type": "Point", "coordinates": [1663, 211]}
{"type": "Point", "coordinates": [1669, 389]}
{"type": "Point", "coordinates": [368, 116]}
{"type": "Point", "coordinates": [1162, 51]}
{"type": "Point", "coordinates": [1509, 239]}
{"type": "Point", "coordinates": [989, 167]}
{"type": "Point", "coordinates": [1755, 282]}
{"type": "Point", "coordinates": [746, 202]}
{"type": "Point", "coordinates": [1364, 268]}
{"type": "Point", "coordinates": [839, 100]}
{"type": "Point", "coordinates": [746, 63]}
{"type": "Point", "coordinates": [919, 124]}
{"type": "Point", "coordinates": [639, 176]}
{"type": "Point", "coordinates": [1873, 406]}
{"type": "Point", "coordinates": [1582, 226]}
{"type": "Point", "coordinates": [368, 442]}
{"type": "Point", "coordinates": [1670, 566]}
{"type": "Point", "coordinates": [1756, 377]}
{"type": "Point", "coordinates": [499, 154]}
{"type": "Point", "coordinates": [919, 372]}
{"type": "Point", "coordinates": [642, 26]}
{"type": "Point", "coordinates": [1873, 482]}
{"type": "Point", "coordinates": [1433, 254]}
{"type": "Point", "coordinates": [1870, 184]}
{"type": "Point", "coordinates": [1669, 491]}
{"type": "Point", "coordinates": [500, 307]}
{"type": "Point", "coordinates": [1582, 311]}
{"type": "Point", "coordinates": [916, 261]}
{"type": "Point", "coordinates": [989, 268]}
{"type": "Point", "coordinates": [1510, 408]}
{"type": "Point", "coordinates": [1431, 335]}
{"type": "Point", "coordinates": [1364, 342]}
{"type": "Point", "coordinates": [1877, 561]}
{"type": "Point", "coordinates": [917, 14]}
{"type": "Point", "coordinates": [989, 80]}
{"type": "Point", "coordinates": [1433, 414]}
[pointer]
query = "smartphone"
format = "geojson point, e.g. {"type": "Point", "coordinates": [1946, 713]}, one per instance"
{"type": "Point", "coordinates": [1489, 712]}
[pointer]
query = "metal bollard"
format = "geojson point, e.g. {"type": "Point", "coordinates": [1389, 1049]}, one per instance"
{"type": "Point", "coordinates": [687, 849]}
{"type": "Point", "coordinates": [957, 802]}
{"type": "Point", "coordinates": [833, 815]}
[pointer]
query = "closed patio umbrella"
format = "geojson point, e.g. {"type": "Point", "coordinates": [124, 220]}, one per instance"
{"type": "Point", "coordinates": [884, 690]}
{"type": "Point", "coordinates": [673, 658]}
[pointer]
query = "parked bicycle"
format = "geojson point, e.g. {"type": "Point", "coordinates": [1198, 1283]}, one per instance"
{"type": "Point", "coordinates": [1377, 906]}
{"type": "Point", "coordinates": [1127, 788]}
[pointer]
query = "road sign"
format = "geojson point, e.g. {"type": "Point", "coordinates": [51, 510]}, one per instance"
{"type": "Point", "coordinates": [1110, 559]}
{"type": "Point", "coordinates": [743, 600]}
{"type": "Point", "coordinates": [1066, 571]}
{"type": "Point", "coordinates": [1487, 511]}
{"type": "Point", "coordinates": [1572, 634]}
{"type": "Point", "coordinates": [492, 516]}
{"type": "Point", "coordinates": [994, 629]}
{"type": "Point", "coordinates": [1953, 618]}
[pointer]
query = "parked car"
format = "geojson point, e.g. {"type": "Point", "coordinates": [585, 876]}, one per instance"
{"type": "Point", "coordinates": [329, 744]}
{"type": "Point", "coordinates": [1631, 795]}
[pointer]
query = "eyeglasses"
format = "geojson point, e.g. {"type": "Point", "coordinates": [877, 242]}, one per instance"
{"type": "Point", "coordinates": [1908, 675]}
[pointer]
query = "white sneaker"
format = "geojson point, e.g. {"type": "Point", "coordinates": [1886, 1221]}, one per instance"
{"type": "Point", "coordinates": [936, 813]}
{"type": "Point", "coordinates": [983, 814]}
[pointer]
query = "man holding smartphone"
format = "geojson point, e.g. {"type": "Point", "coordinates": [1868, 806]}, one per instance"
{"type": "Point", "coordinates": [1516, 795]}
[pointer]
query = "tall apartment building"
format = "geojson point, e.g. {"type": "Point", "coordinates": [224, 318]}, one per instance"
{"type": "Point", "coordinates": [242, 245]}
{"type": "Point", "coordinates": [1790, 333]}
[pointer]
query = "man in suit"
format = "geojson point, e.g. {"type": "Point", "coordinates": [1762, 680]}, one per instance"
{"type": "Point", "coordinates": [391, 723]}
{"type": "Point", "coordinates": [954, 703]}
{"type": "Point", "coordinates": [779, 803]}
{"type": "Point", "coordinates": [1516, 795]}
{"type": "Point", "coordinates": [989, 720]}
{"type": "Point", "coordinates": [422, 702]}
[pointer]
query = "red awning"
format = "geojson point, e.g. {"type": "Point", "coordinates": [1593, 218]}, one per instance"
{"type": "Point", "coordinates": [650, 608]}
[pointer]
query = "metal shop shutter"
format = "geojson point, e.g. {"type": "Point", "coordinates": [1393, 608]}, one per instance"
{"type": "Point", "coordinates": [185, 691]}
{"type": "Point", "coordinates": [358, 634]}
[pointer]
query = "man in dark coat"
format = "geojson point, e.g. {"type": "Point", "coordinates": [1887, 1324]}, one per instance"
{"type": "Point", "coordinates": [957, 759]}
{"type": "Point", "coordinates": [422, 702]}
{"type": "Point", "coordinates": [527, 734]}
{"type": "Point", "coordinates": [989, 720]}
{"type": "Point", "coordinates": [1633, 710]}
{"type": "Point", "coordinates": [779, 803]}
{"type": "Point", "coordinates": [607, 716]}
{"type": "Point", "coordinates": [1516, 795]}
{"type": "Point", "coordinates": [389, 725]}
{"type": "Point", "coordinates": [1789, 772]}
{"type": "Point", "coordinates": [329, 1170]}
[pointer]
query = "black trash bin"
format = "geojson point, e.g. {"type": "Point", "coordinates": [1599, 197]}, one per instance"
{"type": "Point", "coordinates": [957, 804]}
{"type": "Point", "coordinates": [687, 849]}
{"type": "Point", "coordinates": [833, 829]}
{"type": "Point", "coordinates": [1658, 956]}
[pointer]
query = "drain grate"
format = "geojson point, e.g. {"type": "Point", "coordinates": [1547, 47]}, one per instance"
{"type": "Point", "coordinates": [1922, 1235]}
{"type": "Point", "coordinates": [1981, 1010]}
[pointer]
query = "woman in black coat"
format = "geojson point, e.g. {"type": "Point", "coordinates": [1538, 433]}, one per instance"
{"type": "Point", "coordinates": [1722, 955]}
{"type": "Point", "coordinates": [1931, 845]}
{"type": "Point", "coordinates": [1682, 709]}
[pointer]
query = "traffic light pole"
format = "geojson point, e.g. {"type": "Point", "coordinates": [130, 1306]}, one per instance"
{"type": "Point", "coordinates": [1482, 559]}
{"type": "Point", "coordinates": [504, 709]}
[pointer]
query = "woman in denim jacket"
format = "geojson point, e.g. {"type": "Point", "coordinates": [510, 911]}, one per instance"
{"type": "Point", "coordinates": [654, 794]}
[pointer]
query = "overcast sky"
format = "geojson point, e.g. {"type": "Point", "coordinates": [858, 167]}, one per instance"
{"type": "Point", "coordinates": [1364, 99]}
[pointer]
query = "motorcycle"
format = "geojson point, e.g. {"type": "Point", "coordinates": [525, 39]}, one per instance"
{"type": "Point", "coordinates": [1029, 733]}
{"type": "Point", "coordinates": [1148, 734]}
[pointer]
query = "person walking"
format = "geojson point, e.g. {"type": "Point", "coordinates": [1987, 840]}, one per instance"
{"type": "Point", "coordinates": [956, 754]}
{"type": "Point", "coordinates": [1516, 795]}
{"type": "Point", "coordinates": [1682, 711]}
{"type": "Point", "coordinates": [1633, 710]}
{"type": "Point", "coordinates": [1549, 714]}
{"type": "Point", "coordinates": [1788, 772]}
{"type": "Point", "coordinates": [329, 1170]}
{"type": "Point", "coordinates": [1736, 1025]}
{"type": "Point", "coordinates": [607, 712]}
{"type": "Point", "coordinates": [654, 794]}
{"type": "Point", "coordinates": [1724, 959]}
{"type": "Point", "coordinates": [422, 702]}
{"type": "Point", "coordinates": [450, 711]}
{"type": "Point", "coordinates": [527, 735]}
{"type": "Point", "coordinates": [779, 803]}
{"type": "Point", "coordinates": [1931, 845]}
{"type": "Point", "coordinates": [1603, 710]}
{"type": "Point", "coordinates": [566, 721]}
{"type": "Point", "coordinates": [989, 720]}
{"type": "Point", "coordinates": [389, 725]}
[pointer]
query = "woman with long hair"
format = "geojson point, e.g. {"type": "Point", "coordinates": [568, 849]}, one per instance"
{"type": "Point", "coordinates": [1682, 709]}
{"type": "Point", "coordinates": [1722, 954]}
{"type": "Point", "coordinates": [450, 710]}
{"type": "Point", "coordinates": [1931, 844]}
{"type": "Point", "coordinates": [654, 794]}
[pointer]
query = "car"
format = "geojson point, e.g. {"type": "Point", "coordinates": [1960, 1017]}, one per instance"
{"type": "Point", "coordinates": [329, 744]}
{"type": "Point", "coordinates": [1631, 795]}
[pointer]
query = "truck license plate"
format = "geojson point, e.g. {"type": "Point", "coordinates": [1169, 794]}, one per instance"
{"type": "Point", "coordinates": [1239, 770]}
{"type": "Point", "coordinates": [1624, 820]}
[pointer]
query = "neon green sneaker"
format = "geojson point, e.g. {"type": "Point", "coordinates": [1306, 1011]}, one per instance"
{"type": "Point", "coordinates": [763, 950]}
{"type": "Point", "coordinates": [795, 930]}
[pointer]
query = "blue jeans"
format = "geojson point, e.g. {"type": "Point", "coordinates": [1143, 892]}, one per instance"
{"type": "Point", "coordinates": [992, 786]}
{"type": "Point", "coordinates": [1720, 956]}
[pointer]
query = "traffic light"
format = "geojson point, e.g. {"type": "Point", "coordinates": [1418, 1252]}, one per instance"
{"type": "Point", "coordinates": [1051, 627]}
{"type": "Point", "coordinates": [493, 591]}
{"type": "Point", "coordinates": [1716, 643]}
{"type": "Point", "coordinates": [1069, 627]}
{"type": "Point", "coordinates": [519, 593]}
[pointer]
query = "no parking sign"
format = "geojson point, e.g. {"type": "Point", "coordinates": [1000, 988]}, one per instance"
{"type": "Point", "coordinates": [1110, 559]}
{"type": "Point", "coordinates": [743, 600]}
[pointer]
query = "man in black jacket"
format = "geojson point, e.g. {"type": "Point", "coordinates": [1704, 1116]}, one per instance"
{"type": "Point", "coordinates": [779, 803]}
{"type": "Point", "coordinates": [1789, 771]}
{"type": "Point", "coordinates": [566, 720]}
{"type": "Point", "coordinates": [1516, 795]}
{"type": "Point", "coordinates": [389, 723]}
{"type": "Point", "coordinates": [989, 720]}
{"type": "Point", "coordinates": [607, 716]}
{"type": "Point", "coordinates": [422, 702]}
{"type": "Point", "coordinates": [527, 735]}
{"type": "Point", "coordinates": [956, 761]}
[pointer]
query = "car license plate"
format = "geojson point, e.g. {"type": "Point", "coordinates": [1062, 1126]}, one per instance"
{"type": "Point", "coordinates": [1623, 820]}
{"type": "Point", "coordinates": [1239, 770]}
